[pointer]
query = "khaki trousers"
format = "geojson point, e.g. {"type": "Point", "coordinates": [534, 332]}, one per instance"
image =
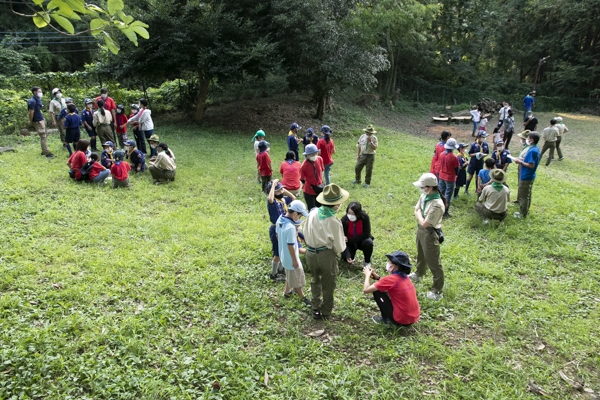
{"type": "Point", "coordinates": [551, 146]}
{"type": "Point", "coordinates": [524, 197]}
{"type": "Point", "coordinates": [428, 255]}
{"type": "Point", "coordinates": [61, 130]}
{"type": "Point", "coordinates": [486, 213]}
{"type": "Point", "coordinates": [368, 160]}
{"type": "Point", "coordinates": [161, 174]}
{"type": "Point", "coordinates": [40, 128]}
{"type": "Point", "coordinates": [324, 268]}
{"type": "Point", "coordinates": [558, 150]}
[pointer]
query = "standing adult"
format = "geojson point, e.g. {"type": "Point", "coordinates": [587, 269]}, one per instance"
{"type": "Point", "coordinates": [366, 146]}
{"type": "Point", "coordinates": [324, 236]}
{"type": "Point", "coordinates": [293, 140]}
{"type": "Point", "coordinates": [429, 211]}
{"type": "Point", "coordinates": [475, 118]}
{"type": "Point", "coordinates": [527, 174]}
{"type": "Point", "coordinates": [528, 103]}
{"type": "Point", "coordinates": [327, 150]}
{"type": "Point", "coordinates": [109, 105]}
{"type": "Point", "coordinates": [477, 152]}
{"type": "Point", "coordinates": [57, 104]}
{"type": "Point", "coordinates": [290, 173]}
{"type": "Point", "coordinates": [36, 119]}
{"type": "Point", "coordinates": [493, 202]}
{"type": "Point", "coordinates": [550, 135]}
{"type": "Point", "coordinates": [144, 119]}
{"type": "Point", "coordinates": [449, 168]}
{"type": "Point", "coordinates": [509, 128]}
{"type": "Point", "coordinates": [311, 174]}
{"type": "Point", "coordinates": [357, 233]}
{"type": "Point", "coordinates": [562, 128]}
{"type": "Point", "coordinates": [102, 120]}
{"type": "Point", "coordinates": [439, 149]}
{"type": "Point", "coordinates": [530, 123]}
{"type": "Point", "coordinates": [503, 114]}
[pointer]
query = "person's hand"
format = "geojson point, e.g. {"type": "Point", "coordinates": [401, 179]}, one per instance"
{"type": "Point", "coordinates": [138, 169]}
{"type": "Point", "coordinates": [367, 271]}
{"type": "Point", "coordinates": [349, 260]}
{"type": "Point", "coordinates": [345, 238]}
{"type": "Point", "coordinates": [295, 263]}
{"type": "Point", "coordinates": [375, 275]}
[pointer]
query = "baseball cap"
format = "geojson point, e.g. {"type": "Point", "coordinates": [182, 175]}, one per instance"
{"type": "Point", "coordinates": [427, 179]}
{"type": "Point", "coordinates": [298, 207]}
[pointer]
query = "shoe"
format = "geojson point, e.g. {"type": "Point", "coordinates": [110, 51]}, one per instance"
{"type": "Point", "coordinates": [277, 278]}
{"type": "Point", "coordinates": [414, 277]}
{"type": "Point", "coordinates": [306, 302]}
{"type": "Point", "coordinates": [289, 294]}
{"type": "Point", "coordinates": [560, 159]}
{"type": "Point", "coordinates": [486, 221]}
{"type": "Point", "coordinates": [434, 296]}
{"type": "Point", "coordinates": [317, 315]}
{"type": "Point", "coordinates": [446, 215]}
{"type": "Point", "coordinates": [366, 185]}
{"type": "Point", "coordinates": [50, 155]}
{"type": "Point", "coordinates": [378, 319]}
{"type": "Point", "coordinates": [367, 265]}
{"type": "Point", "coordinates": [517, 215]}
{"type": "Point", "coordinates": [516, 201]}
{"type": "Point", "coordinates": [467, 194]}
{"type": "Point", "coordinates": [355, 182]}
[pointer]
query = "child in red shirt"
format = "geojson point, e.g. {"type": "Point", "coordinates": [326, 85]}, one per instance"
{"type": "Point", "coordinates": [78, 159]}
{"type": "Point", "coordinates": [327, 150]}
{"type": "Point", "coordinates": [264, 165]}
{"type": "Point", "coordinates": [97, 173]}
{"type": "Point", "coordinates": [120, 170]}
{"type": "Point", "coordinates": [121, 125]}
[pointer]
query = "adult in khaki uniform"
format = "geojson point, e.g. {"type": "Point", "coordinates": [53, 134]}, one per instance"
{"type": "Point", "coordinates": [366, 145]}
{"type": "Point", "coordinates": [324, 238]}
{"type": "Point", "coordinates": [550, 135]}
{"type": "Point", "coordinates": [562, 128]}
{"type": "Point", "coordinates": [494, 198]}
{"type": "Point", "coordinates": [429, 212]}
{"type": "Point", "coordinates": [57, 104]}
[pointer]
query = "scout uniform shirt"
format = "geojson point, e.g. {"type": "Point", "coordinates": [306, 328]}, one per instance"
{"type": "Point", "coordinates": [432, 210]}
{"type": "Point", "coordinates": [550, 134]}
{"type": "Point", "coordinates": [495, 197]}
{"type": "Point", "coordinates": [322, 231]}
{"type": "Point", "coordinates": [364, 146]}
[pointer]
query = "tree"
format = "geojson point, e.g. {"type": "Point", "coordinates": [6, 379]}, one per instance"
{"type": "Point", "coordinates": [322, 51]}
{"type": "Point", "coordinates": [59, 15]}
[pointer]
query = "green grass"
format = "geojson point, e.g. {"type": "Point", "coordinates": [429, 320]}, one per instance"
{"type": "Point", "coordinates": [160, 292]}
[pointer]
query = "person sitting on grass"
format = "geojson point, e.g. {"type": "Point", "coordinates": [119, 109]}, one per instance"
{"type": "Point", "coordinates": [395, 293]}
{"type": "Point", "coordinates": [120, 170]}
{"type": "Point", "coordinates": [287, 235]}
{"type": "Point", "coordinates": [163, 168]}
{"type": "Point", "coordinates": [106, 157]}
{"type": "Point", "coordinates": [483, 178]}
{"type": "Point", "coordinates": [357, 233]}
{"type": "Point", "coordinates": [97, 173]}
{"type": "Point", "coordinates": [137, 160]}
{"type": "Point", "coordinates": [278, 201]}
{"type": "Point", "coordinates": [78, 159]}
{"type": "Point", "coordinates": [493, 202]}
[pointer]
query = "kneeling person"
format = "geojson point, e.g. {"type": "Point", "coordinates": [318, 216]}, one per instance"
{"type": "Point", "coordinates": [394, 294]}
{"type": "Point", "coordinates": [493, 202]}
{"type": "Point", "coordinates": [288, 249]}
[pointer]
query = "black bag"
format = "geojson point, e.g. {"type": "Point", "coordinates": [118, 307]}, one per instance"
{"type": "Point", "coordinates": [440, 235]}
{"type": "Point", "coordinates": [85, 170]}
{"type": "Point", "coordinates": [317, 188]}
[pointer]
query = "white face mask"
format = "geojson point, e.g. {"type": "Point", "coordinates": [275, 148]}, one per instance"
{"type": "Point", "coordinates": [39, 94]}
{"type": "Point", "coordinates": [389, 267]}
{"type": "Point", "coordinates": [423, 191]}
{"type": "Point", "coordinates": [528, 142]}
{"type": "Point", "coordinates": [351, 217]}
{"type": "Point", "coordinates": [104, 96]}
{"type": "Point", "coordinates": [58, 95]}
{"type": "Point", "coordinates": [500, 148]}
{"type": "Point", "coordinates": [127, 148]}
{"type": "Point", "coordinates": [312, 158]}
{"type": "Point", "coordinates": [153, 146]}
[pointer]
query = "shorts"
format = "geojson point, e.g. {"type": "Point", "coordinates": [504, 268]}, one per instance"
{"type": "Point", "coordinates": [474, 168]}
{"type": "Point", "coordinates": [274, 241]}
{"type": "Point", "coordinates": [72, 135]}
{"type": "Point", "coordinates": [91, 133]}
{"type": "Point", "coordinates": [295, 278]}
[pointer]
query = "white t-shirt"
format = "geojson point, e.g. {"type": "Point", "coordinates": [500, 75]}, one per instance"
{"type": "Point", "coordinates": [503, 113]}
{"type": "Point", "coordinates": [476, 115]}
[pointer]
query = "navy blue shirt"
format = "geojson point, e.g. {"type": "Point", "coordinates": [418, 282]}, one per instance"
{"type": "Point", "coordinates": [64, 112]}
{"type": "Point", "coordinates": [35, 104]}
{"type": "Point", "coordinates": [502, 160]}
{"type": "Point", "coordinates": [277, 209]}
{"type": "Point", "coordinates": [72, 122]}
{"type": "Point", "coordinates": [88, 116]}
{"type": "Point", "coordinates": [137, 158]}
{"type": "Point", "coordinates": [292, 143]}
{"type": "Point", "coordinates": [310, 140]}
{"type": "Point", "coordinates": [476, 148]}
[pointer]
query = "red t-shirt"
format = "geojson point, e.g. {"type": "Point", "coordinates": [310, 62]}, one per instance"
{"type": "Point", "coordinates": [109, 103]}
{"type": "Point", "coordinates": [435, 162]}
{"type": "Point", "coordinates": [76, 161]}
{"type": "Point", "coordinates": [120, 171]}
{"type": "Point", "coordinates": [358, 225]}
{"type": "Point", "coordinates": [403, 296]}
{"type": "Point", "coordinates": [264, 164]}
{"type": "Point", "coordinates": [311, 174]}
{"type": "Point", "coordinates": [121, 120]}
{"type": "Point", "coordinates": [95, 170]}
{"type": "Point", "coordinates": [290, 175]}
{"type": "Point", "coordinates": [448, 164]}
{"type": "Point", "coordinates": [326, 150]}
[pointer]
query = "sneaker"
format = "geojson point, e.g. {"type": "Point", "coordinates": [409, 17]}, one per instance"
{"type": "Point", "coordinates": [414, 277]}
{"type": "Point", "coordinates": [378, 319]}
{"type": "Point", "coordinates": [486, 221]}
{"type": "Point", "coordinates": [289, 294]}
{"type": "Point", "coordinates": [50, 155]}
{"type": "Point", "coordinates": [368, 265]}
{"type": "Point", "coordinates": [517, 215]}
{"type": "Point", "coordinates": [317, 315]}
{"type": "Point", "coordinates": [446, 215]}
{"type": "Point", "coordinates": [277, 278]}
{"type": "Point", "coordinates": [560, 159]}
{"type": "Point", "coordinates": [366, 185]}
{"type": "Point", "coordinates": [306, 301]}
{"type": "Point", "coordinates": [355, 182]}
{"type": "Point", "coordinates": [434, 296]}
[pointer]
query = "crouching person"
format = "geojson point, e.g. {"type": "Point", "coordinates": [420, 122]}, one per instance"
{"type": "Point", "coordinates": [120, 170]}
{"type": "Point", "coordinates": [395, 293]}
{"type": "Point", "coordinates": [493, 202]}
{"type": "Point", "coordinates": [163, 167]}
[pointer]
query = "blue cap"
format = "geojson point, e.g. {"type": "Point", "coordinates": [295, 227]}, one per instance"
{"type": "Point", "coordinates": [325, 129]}
{"type": "Point", "coordinates": [310, 149]}
{"type": "Point", "coordinates": [109, 143]}
{"type": "Point", "coordinates": [295, 126]}
{"type": "Point", "coordinates": [310, 131]}
{"type": "Point", "coordinates": [130, 143]}
{"type": "Point", "coordinates": [298, 207]}
{"type": "Point", "coordinates": [278, 187]}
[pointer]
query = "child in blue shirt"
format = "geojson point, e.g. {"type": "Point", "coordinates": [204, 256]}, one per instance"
{"type": "Point", "coordinates": [72, 123]}
{"type": "Point", "coordinates": [87, 118]}
{"type": "Point", "coordinates": [106, 158]}
{"type": "Point", "coordinates": [500, 156]}
{"type": "Point", "coordinates": [483, 178]}
{"type": "Point", "coordinates": [137, 160]}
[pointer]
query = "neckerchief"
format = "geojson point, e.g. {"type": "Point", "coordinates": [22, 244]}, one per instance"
{"type": "Point", "coordinates": [498, 186]}
{"type": "Point", "coordinates": [290, 161]}
{"type": "Point", "coordinates": [325, 212]}
{"type": "Point", "coordinates": [428, 198]}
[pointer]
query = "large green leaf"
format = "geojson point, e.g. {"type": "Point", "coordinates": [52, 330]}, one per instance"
{"type": "Point", "coordinates": [76, 5]}
{"type": "Point", "coordinates": [140, 31]}
{"type": "Point", "coordinates": [97, 26]}
{"type": "Point", "coordinates": [39, 21]}
{"type": "Point", "coordinates": [111, 44]}
{"type": "Point", "coordinates": [38, 2]}
{"type": "Point", "coordinates": [65, 8]}
{"type": "Point", "coordinates": [130, 34]}
{"type": "Point", "coordinates": [114, 6]}
{"type": "Point", "coordinates": [53, 4]}
{"type": "Point", "coordinates": [138, 23]}
{"type": "Point", "coordinates": [64, 23]}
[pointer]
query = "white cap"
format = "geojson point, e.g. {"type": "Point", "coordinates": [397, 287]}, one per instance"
{"type": "Point", "coordinates": [427, 179]}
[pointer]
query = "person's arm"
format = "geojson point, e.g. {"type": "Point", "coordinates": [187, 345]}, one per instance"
{"type": "Point", "coordinates": [478, 183]}
{"type": "Point", "coordinates": [358, 148]}
{"type": "Point", "coordinates": [31, 117]}
{"type": "Point", "coordinates": [420, 219]}
{"type": "Point", "coordinates": [372, 142]}
{"type": "Point", "coordinates": [52, 117]}
{"type": "Point", "coordinates": [288, 194]}
{"type": "Point", "coordinates": [114, 114]}
{"type": "Point", "coordinates": [367, 287]}
{"type": "Point", "coordinates": [565, 129]}
{"type": "Point", "coordinates": [292, 251]}
{"type": "Point", "coordinates": [526, 121]}
{"type": "Point", "coordinates": [271, 195]}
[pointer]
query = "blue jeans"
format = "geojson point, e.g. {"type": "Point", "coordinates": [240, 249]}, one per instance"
{"type": "Point", "coordinates": [447, 189]}
{"type": "Point", "coordinates": [101, 177]}
{"type": "Point", "coordinates": [475, 125]}
{"type": "Point", "coordinates": [328, 174]}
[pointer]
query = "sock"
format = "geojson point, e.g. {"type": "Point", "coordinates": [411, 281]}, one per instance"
{"type": "Point", "coordinates": [274, 266]}
{"type": "Point", "coordinates": [69, 149]}
{"type": "Point", "coordinates": [467, 186]}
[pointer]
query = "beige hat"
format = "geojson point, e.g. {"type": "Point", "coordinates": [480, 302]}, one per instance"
{"type": "Point", "coordinates": [498, 175]}
{"type": "Point", "coordinates": [154, 138]}
{"type": "Point", "coordinates": [524, 134]}
{"type": "Point", "coordinates": [332, 194]}
{"type": "Point", "coordinates": [427, 179]}
{"type": "Point", "coordinates": [370, 129]}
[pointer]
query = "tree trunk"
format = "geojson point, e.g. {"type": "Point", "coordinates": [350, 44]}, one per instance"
{"type": "Point", "coordinates": [390, 51]}
{"type": "Point", "coordinates": [201, 100]}
{"type": "Point", "coordinates": [320, 105]}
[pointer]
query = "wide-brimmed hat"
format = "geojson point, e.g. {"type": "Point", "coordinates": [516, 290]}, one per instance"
{"type": "Point", "coordinates": [427, 179]}
{"type": "Point", "coordinates": [332, 194]}
{"type": "Point", "coordinates": [298, 207]}
{"type": "Point", "coordinates": [154, 138]}
{"type": "Point", "coordinates": [400, 259]}
{"type": "Point", "coordinates": [498, 175]}
{"type": "Point", "coordinates": [370, 129]}
{"type": "Point", "coordinates": [524, 134]}
{"type": "Point", "coordinates": [451, 144]}
{"type": "Point", "coordinates": [325, 129]}
{"type": "Point", "coordinates": [310, 149]}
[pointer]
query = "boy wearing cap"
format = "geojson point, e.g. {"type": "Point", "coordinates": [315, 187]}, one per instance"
{"type": "Point", "coordinates": [87, 118]}
{"type": "Point", "coordinates": [278, 200]}
{"type": "Point", "coordinates": [366, 147]}
{"type": "Point", "coordinates": [106, 157]}
{"type": "Point", "coordinates": [448, 172]}
{"type": "Point", "coordinates": [562, 128]}
{"type": "Point", "coordinates": [500, 156]}
{"type": "Point", "coordinates": [287, 236]}
{"type": "Point", "coordinates": [263, 162]}
{"type": "Point", "coordinates": [137, 160]}
{"type": "Point", "coordinates": [395, 293]}
{"type": "Point", "coordinates": [140, 143]}
{"type": "Point", "coordinates": [324, 238]}
{"type": "Point", "coordinates": [310, 137]}
{"type": "Point", "coordinates": [463, 162]}
{"type": "Point", "coordinates": [311, 175]}
{"type": "Point", "coordinates": [293, 140]}
{"type": "Point", "coordinates": [437, 152]}
{"type": "Point", "coordinates": [57, 104]}
{"type": "Point", "coordinates": [121, 124]}
{"type": "Point", "coordinates": [72, 126]}
{"type": "Point", "coordinates": [477, 152]}
{"type": "Point", "coordinates": [493, 202]}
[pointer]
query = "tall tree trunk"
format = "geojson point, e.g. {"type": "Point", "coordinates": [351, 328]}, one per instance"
{"type": "Point", "coordinates": [201, 100]}
{"type": "Point", "coordinates": [390, 51]}
{"type": "Point", "coordinates": [320, 104]}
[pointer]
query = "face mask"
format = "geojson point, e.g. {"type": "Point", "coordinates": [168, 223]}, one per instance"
{"type": "Point", "coordinates": [58, 95]}
{"type": "Point", "coordinates": [108, 150]}
{"type": "Point", "coordinates": [312, 158]}
{"type": "Point", "coordinates": [153, 146]}
{"type": "Point", "coordinates": [389, 267]}
{"type": "Point", "coordinates": [528, 142]}
{"type": "Point", "coordinates": [423, 191]}
{"type": "Point", "coordinates": [127, 148]}
{"type": "Point", "coordinates": [104, 96]}
{"type": "Point", "coordinates": [119, 111]}
{"type": "Point", "coordinates": [39, 94]}
{"type": "Point", "coordinates": [501, 148]}
{"type": "Point", "coordinates": [351, 217]}
{"type": "Point", "coordinates": [279, 196]}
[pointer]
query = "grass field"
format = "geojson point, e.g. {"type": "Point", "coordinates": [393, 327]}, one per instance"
{"type": "Point", "coordinates": [161, 292]}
